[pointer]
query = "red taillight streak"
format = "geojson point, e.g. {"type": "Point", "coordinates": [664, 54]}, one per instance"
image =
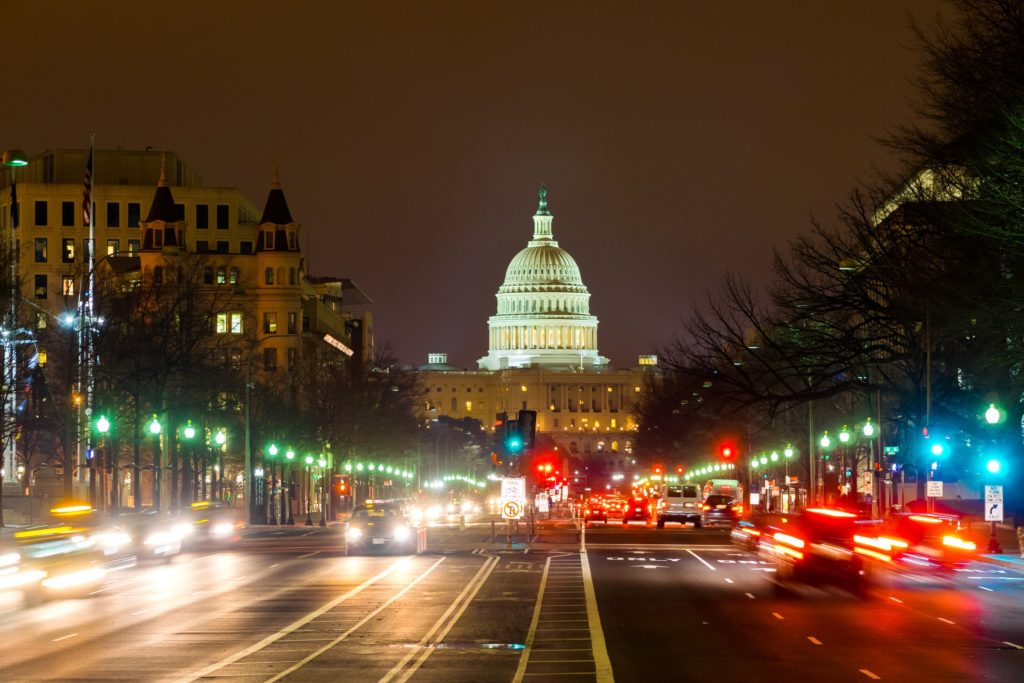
{"type": "Point", "coordinates": [872, 553]}
{"type": "Point", "coordinates": [752, 532]}
{"type": "Point", "coordinates": [789, 540]}
{"type": "Point", "coordinates": [830, 512]}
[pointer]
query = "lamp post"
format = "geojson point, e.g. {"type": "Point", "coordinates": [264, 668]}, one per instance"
{"type": "Point", "coordinates": [188, 433]}
{"type": "Point", "coordinates": [309, 493]}
{"type": "Point", "coordinates": [272, 452]}
{"type": "Point", "coordinates": [869, 432]}
{"type": "Point", "coordinates": [220, 438]}
{"type": "Point", "coordinates": [290, 456]}
{"type": "Point", "coordinates": [788, 452]}
{"type": "Point", "coordinates": [154, 430]}
{"type": "Point", "coordinates": [102, 428]}
{"type": "Point", "coordinates": [323, 491]}
{"type": "Point", "coordinates": [12, 158]}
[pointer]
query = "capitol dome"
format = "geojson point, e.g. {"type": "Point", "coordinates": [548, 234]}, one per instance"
{"type": "Point", "coordinates": [543, 317]}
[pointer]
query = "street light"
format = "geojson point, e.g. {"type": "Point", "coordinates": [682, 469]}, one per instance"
{"type": "Point", "coordinates": [323, 491]}
{"type": "Point", "coordinates": [993, 415]}
{"type": "Point", "coordinates": [102, 427]}
{"type": "Point", "coordinates": [188, 475]}
{"type": "Point", "coordinates": [154, 430]}
{"type": "Point", "coordinates": [825, 441]}
{"type": "Point", "coordinates": [290, 456]}
{"type": "Point", "coordinates": [220, 438]}
{"type": "Point", "coordinates": [309, 493]}
{"type": "Point", "coordinates": [272, 452]}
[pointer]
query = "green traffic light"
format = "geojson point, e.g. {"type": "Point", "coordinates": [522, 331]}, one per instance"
{"type": "Point", "coordinates": [272, 450]}
{"type": "Point", "coordinates": [994, 466]}
{"type": "Point", "coordinates": [103, 424]}
{"type": "Point", "coordinates": [938, 449]}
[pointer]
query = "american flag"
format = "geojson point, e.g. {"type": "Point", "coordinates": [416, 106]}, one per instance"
{"type": "Point", "coordinates": [87, 192]}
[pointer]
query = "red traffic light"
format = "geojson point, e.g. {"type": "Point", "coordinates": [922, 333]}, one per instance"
{"type": "Point", "coordinates": [727, 451]}
{"type": "Point", "coordinates": [658, 469]}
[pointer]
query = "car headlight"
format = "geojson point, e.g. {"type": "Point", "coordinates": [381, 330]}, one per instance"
{"type": "Point", "coordinates": [9, 559]}
{"type": "Point", "coordinates": [401, 533]}
{"type": "Point", "coordinates": [467, 506]}
{"type": "Point", "coordinates": [182, 530]}
{"type": "Point", "coordinates": [222, 529]}
{"type": "Point", "coordinates": [354, 533]}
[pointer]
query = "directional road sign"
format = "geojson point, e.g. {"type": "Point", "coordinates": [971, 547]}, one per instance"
{"type": "Point", "coordinates": [993, 503]}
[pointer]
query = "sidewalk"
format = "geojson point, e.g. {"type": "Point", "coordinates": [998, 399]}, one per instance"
{"type": "Point", "coordinates": [1006, 535]}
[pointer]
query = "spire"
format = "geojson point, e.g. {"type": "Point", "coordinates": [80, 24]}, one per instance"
{"type": "Point", "coordinates": [276, 209]}
{"type": "Point", "coordinates": [542, 219]}
{"type": "Point", "coordinates": [163, 208]}
{"type": "Point", "coordinates": [542, 206]}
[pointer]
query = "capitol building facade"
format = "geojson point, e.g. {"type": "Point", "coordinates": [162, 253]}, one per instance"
{"type": "Point", "coordinates": [543, 356]}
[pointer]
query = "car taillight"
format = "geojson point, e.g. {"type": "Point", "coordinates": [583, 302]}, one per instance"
{"type": "Point", "coordinates": [788, 545]}
{"type": "Point", "coordinates": [707, 507]}
{"type": "Point", "coordinates": [880, 542]}
{"type": "Point", "coordinates": [958, 543]}
{"type": "Point", "coordinates": [662, 504]}
{"type": "Point", "coordinates": [738, 509]}
{"type": "Point", "coordinates": [751, 532]}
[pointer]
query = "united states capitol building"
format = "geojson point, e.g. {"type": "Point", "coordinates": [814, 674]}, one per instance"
{"type": "Point", "coordinates": [543, 356]}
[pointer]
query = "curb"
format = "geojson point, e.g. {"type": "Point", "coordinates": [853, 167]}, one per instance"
{"type": "Point", "coordinates": [1019, 566]}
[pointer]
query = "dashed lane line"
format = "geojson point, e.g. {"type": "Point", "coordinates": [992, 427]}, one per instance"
{"type": "Point", "coordinates": [814, 640]}
{"type": "Point", "coordinates": [870, 674]}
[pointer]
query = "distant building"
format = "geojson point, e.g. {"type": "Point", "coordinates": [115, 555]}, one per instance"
{"type": "Point", "coordinates": [543, 356]}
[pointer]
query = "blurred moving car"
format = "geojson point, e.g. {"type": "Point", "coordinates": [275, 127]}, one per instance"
{"type": "Point", "coordinates": [679, 503]}
{"type": "Point", "coordinates": [920, 543]}
{"type": "Point", "coordinates": [614, 505]}
{"type": "Point", "coordinates": [380, 526]}
{"type": "Point", "coordinates": [594, 510]}
{"type": "Point", "coordinates": [721, 509]}
{"type": "Point", "coordinates": [207, 522]}
{"type": "Point", "coordinates": [146, 535]}
{"type": "Point", "coordinates": [54, 561]}
{"type": "Point", "coordinates": [636, 509]}
{"type": "Point", "coordinates": [818, 546]}
{"type": "Point", "coordinates": [747, 532]}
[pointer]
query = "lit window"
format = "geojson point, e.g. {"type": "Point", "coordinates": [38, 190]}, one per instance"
{"type": "Point", "coordinates": [522, 388]}
{"type": "Point", "coordinates": [636, 390]}
{"type": "Point", "coordinates": [270, 323]}
{"type": "Point", "coordinates": [236, 323]}
{"type": "Point", "coordinates": [67, 285]}
{"type": "Point", "coordinates": [615, 425]}
{"type": "Point", "coordinates": [222, 276]}
{"type": "Point", "coordinates": [113, 247]}
{"type": "Point", "coordinates": [222, 323]}
{"type": "Point", "coordinates": [233, 276]}
{"type": "Point", "coordinates": [469, 406]}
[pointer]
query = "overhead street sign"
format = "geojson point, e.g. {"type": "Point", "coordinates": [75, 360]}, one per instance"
{"type": "Point", "coordinates": [993, 503]}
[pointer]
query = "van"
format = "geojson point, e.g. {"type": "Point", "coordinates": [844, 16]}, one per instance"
{"type": "Point", "coordinates": [723, 487]}
{"type": "Point", "coordinates": [679, 503]}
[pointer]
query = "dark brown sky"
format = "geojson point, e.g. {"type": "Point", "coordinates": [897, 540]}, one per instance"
{"type": "Point", "coordinates": [678, 139]}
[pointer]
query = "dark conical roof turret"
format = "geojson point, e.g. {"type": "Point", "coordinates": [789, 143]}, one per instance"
{"type": "Point", "coordinates": [276, 209]}
{"type": "Point", "coordinates": [162, 208]}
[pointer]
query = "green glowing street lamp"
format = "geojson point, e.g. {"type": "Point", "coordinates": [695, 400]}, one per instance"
{"type": "Point", "coordinates": [844, 436]}
{"type": "Point", "coordinates": [825, 441]}
{"type": "Point", "coordinates": [271, 483]}
{"type": "Point", "coordinates": [220, 438]}
{"type": "Point", "coordinates": [993, 415]}
{"type": "Point", "coordinates": [764, 459]}
{"type": "Point", "coordinates": [103, 425]}
{"type": "Point", "coordinates": [154, 426]}
{"type": "Point", "coordinates": [775, 456]}
{"type": "Point", "coordinates": [869, 429]}
{"type": "Point", "coordinates": [789, 452]}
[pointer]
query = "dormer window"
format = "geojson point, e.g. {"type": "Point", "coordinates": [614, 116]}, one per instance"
{"type": "Point", "coordinates": [268, 241]}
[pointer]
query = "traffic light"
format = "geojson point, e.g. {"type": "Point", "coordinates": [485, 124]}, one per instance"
{"type": "Point", "coordinates": [528, 427]}
{"type": "Point", "coordinates": [728, 452]}
{"type": "Point", "coordinates": [994, 466]}
{"type": "Point", "coordinates": [513, 440]}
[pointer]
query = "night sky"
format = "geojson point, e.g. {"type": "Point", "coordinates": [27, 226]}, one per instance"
{"type": "Point", "coordinates": [679, 140]}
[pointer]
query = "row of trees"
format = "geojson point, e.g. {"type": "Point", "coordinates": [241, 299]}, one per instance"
{"type": "Point", "coordinates": [163, 348]}
{"type": "Point", "coordinates": [909, 305]}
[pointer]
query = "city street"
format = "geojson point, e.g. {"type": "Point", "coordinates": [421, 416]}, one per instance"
{"type": "Point", "coordinates": [672, 604]}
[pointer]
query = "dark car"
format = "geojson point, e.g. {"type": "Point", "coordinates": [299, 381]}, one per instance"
{"type": "Point", "coordinates": [594, 510]}
{"type": "Point", "coordinates": [208, 523]}
{"type": "Point", "coordinates": [719, 509]}
{"type": "Point", "coordinates": [379, 526]}
{"type": "Point", "coordinates": [747, 532]}
{"type": "Point", "coordinates": [636, 509]}
{"type": "Point", "coordinates": [819, 546]}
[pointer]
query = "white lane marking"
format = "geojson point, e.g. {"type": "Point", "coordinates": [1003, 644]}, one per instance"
{"type": "Point", "coordinates": [135, 614]}
{"type": "Point", "coordinates": [308, 554]}
{"type": "Point", "coordinates": [750, 595]}
{"type": "Point", "coordinates": [276, 564]}
{"type": "Point", "coordinates": [602, 663]}
{"type": "Point", "coordinates": [362, 622]}
{"type": "Point", "coordinates": [873, 676]}
{"type": "Point", "coordinates": [778, 616]}
{"type": "Point", "coordinates": [896, 600]}
{"type": "Point", "coordinates": [995, 578]}
{"type": "Point", "coordinates": [814, 640]}
{"type": "Point", "coordinates": [984, 588]}
{"type": "Point", "coordinates": [946, 620]}
{"type": "Point", "coordinates": [443, 625]}
{"type": "Point", "coordinates": [70, 635]}
{"type": "Point", "coordinates": [297, 624]}
{"type": "Point", "coordinates": [702, 560]}
{"type": "Point", "coordinates": [729, 581]}
{"type": "Point", "coordinates": [531, 633]}
{"type": "Point", "coordinates": [1013, 645]}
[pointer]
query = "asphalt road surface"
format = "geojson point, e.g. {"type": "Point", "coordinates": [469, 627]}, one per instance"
{"type": "Point", "coordinates": [642, 604]}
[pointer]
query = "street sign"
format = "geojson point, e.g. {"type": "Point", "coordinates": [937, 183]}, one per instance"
{"type": "Point", "coordinates": [511, 509]}
{"type": "Point", "coordinates": [513, 488]}
{"type": "Point", "coordinates": [993, 503]}
{"type": "Point", "coordinates": [541, 501]}
{"type": "Point", "coordinates": [934, 489]}
{"type": "Point", "coordinates": [891, 450]}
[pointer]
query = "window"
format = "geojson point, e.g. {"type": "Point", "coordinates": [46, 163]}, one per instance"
{"type": "Point", "coordinates": [67, 285]}
{"type": "Point", "coordinates": [41, 212]}
{"type": "Point", "coordinates": [268, 240]}
{"type": "Point", "coordinates": [158, 275]}
{"type": "Point", "coordinates": [202, 246]}
{"type": "Point", "coordinates": [454, 404]}
{"type": "Point", "coordinates": [222, 216]}
{"type": "Point", "coordinates": [202, 216]}
{"type": "Point", "coordinates": [113, 215]}
{"type": "Point", "coordinates": [293, 357]}
{"type": "Point", "coordinates": [469, 406]}
{"type": "Point", "coordinates": [41, 250]}
{"type": "Point", "coordinates": [67, 214]}
{"type": "Point", "coordinates": [292, 323]}
{"type": "Point", "coordinates": [133, 214]}
{"type": "Point", "coordinates": [246, 247]}
{"type": "Point", "coordinates": [270, 323]}
{"type": "Point", "coordinates": [207, 275]}
{"type": "Point", "coordinates": [113, 247]}
{"type": "Point", "coordinates": [233, 276]}
{"type": "Point", "coordinates": [270, 359]}
{"type": "Point", "coordinates": [41, 323]}
{"type": "Point", "coordinates": [268, 276]}
{"type": "Point", "coordinates": [179, 212]}
{"type": "Point", "coordinates": [67, 250]}
{"type": "Point", "coordinates": [291, 276]}
{"type": "Point", "coordinates": [133, 247]}
{"type": "Point", "coordinates": [236, 359]}
{"type": "Point", "coordinates": [222, 247]}
{"type": "Point", "coordinates": [158, 238]}
{"type": "Point", "coordinates": [222, 276]}
{"type": "Point", "coordinates": [222, 323]}
{"type": "Point", "coordinates": [41, 286]}
{"type": "Point", "coordinates": [236, 323]}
